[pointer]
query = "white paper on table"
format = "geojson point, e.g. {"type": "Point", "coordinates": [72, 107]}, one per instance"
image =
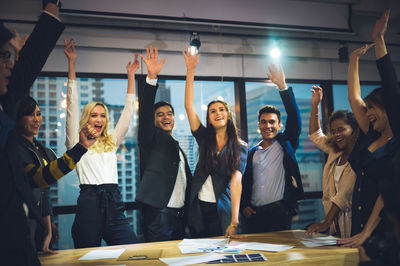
{"type": "Point", "coordinates": [102, 254]}
{"type": "Point", "coordinates": [311, 244]}
{"type": "Point", "coordinates": [188, 246]}
{"type": "Point", "coordinates": [263, 246]}
{"type": "Point", "coordinates": [319, 241]}
{"type": "Point", "coordinates": [188, 260]}
{"type": "Point", "coordinates": [204, 242]}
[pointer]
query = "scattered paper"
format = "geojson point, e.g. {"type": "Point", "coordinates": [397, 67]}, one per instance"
{"type": "Point", "coordinates": [188, 246]}
{"type": "Point", "coordinates": [188, 260]}
{"type": "Point", "coordinates": [317, 241]}
{"type": "Point", "coordinates": [264, 246]}
{"type": "Point", "coordinates": [102, 254]}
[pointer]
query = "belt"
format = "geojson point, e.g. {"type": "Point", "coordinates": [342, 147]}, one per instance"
{"type": "Point", "coordinates": [177, 212]}
{"type": "Point", "coordinates": [269, 207]}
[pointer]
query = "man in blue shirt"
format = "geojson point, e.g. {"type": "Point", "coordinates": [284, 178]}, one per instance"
{"type": "Point", "coordinates": [272, 183]}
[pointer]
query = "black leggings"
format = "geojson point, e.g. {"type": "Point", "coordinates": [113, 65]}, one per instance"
{"type": "Point", "coordinates": [100, 215]}
{"type": "Point", "coordinates": [211, 222]}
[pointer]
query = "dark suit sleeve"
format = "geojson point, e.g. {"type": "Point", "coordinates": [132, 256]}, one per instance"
{"type": "Point", "coordinates": [146, 116]}
{"type": "Point", "coordinates": [391, 92]}
{"type": "Point", "coordinates": [293, 120]}
{"type": "Point", "coordinates": [34, 55]}
{"type": "Point", "coordinates": [247, 181]}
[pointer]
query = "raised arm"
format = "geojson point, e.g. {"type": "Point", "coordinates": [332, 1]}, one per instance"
{"type": "Point", "coordinates": [146, 112]}
{"type": "Point", "coordinates": [316, 99]}
{"type": "Point", "coordinates": [35, 52]}
{"type": "Point", "coordinates": [314, 129]}
{"type": "Point", "coordinates": [293, 120]}
{"type": "Point", "coordinates": [191, 63]}
{"type": "Point", "coordinates": [387, 73]}
{"type": "Point", "coordinates": [378, 35]}
{"type": "Point", "coordinates": [123, 123]}
{"type": "Point", "coordinates": [72, 121]}
{"type": "Point", "coordinates": [17, 43]}
{"type": "Point", "coordinates": [354, 90]}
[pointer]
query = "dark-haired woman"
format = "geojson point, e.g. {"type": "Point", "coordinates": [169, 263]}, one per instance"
{"type": "Point", "coordinates": [373, 150]}
{"type": "Point", "coordinates": [31, 151]}
{"type": "Point", "coordinates": [338, 176]}
{"type": "Point", "coordinates": [217, 182]}
{"type": "Point", "coordinates": [42, 167]}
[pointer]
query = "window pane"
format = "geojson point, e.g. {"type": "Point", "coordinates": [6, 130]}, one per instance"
{"type": "Point", "coordinates": [309, 158]}
{"type": "Point", "coordinates": [340, 99]}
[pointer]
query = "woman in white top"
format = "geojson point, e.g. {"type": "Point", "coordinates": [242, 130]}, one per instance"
{"type": "Point", "coordinates": [338, 176]}
{"type": "Point", "coordinates": [100, 210]}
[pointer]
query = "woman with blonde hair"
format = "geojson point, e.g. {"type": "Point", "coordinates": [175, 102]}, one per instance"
{"type": "Point", "coordinates": [100, 210]}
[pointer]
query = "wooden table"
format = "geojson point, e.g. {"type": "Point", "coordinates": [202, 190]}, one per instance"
{"type": "Point", "coordinates": [300, 255]}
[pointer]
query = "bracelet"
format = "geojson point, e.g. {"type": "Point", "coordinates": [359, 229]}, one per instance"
{"type": "Point", "coordinates": [232, 225]}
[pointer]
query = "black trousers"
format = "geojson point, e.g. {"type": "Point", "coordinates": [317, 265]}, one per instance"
{"type": "Point", "coordinates": [100, 215]}
{"type": "Point", "coordinates": [211, 222]}
{"type": "Point", "coordinates": [269, 218]}
{"type": "Point", "coordinates": [163, 224]}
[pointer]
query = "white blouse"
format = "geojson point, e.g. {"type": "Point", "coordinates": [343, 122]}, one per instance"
{"type": "Point", "coordinates": [96, 168]}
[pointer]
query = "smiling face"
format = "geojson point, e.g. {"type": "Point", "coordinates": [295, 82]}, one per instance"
{"type": "Point", "coordinates": [269, 126]}
{"type": "Point", "coordinates": [377, 117]}
{"type": "Point", "coordinates": [98, 119]}
{"type": "Point", "coordinates": [342, 133]}
{"type": "Point", "coordinates": [5, 67]}
{"type": "Point", "coordinates": [29, 125]}
{"type": "Point", "coordinates": [164, 118]}
{"type": "Point", "coordinates": [218, 115]}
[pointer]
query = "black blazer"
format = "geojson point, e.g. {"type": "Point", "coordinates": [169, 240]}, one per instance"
{"type": "Point", "coordinates": [159, 157]}
{"type": "Point", "coordinates": [14, 187]}
{"type": "Point", "coordinates": [289, 140]}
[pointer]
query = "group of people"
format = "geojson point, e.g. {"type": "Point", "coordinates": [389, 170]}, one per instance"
{"type": "Point", "coordinates": [262, 185]}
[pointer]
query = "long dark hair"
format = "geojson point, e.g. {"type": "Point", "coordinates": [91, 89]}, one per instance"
{"type": "Point", "coordinates": [208, 151]}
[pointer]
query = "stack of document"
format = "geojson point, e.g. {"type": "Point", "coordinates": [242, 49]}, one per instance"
{"type": "Point", "coordinates": [317, 241]}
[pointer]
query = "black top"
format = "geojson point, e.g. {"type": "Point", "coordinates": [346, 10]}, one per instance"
{"type": "Point", "coordinates": [220, 180]}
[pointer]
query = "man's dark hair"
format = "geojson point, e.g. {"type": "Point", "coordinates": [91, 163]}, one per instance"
{"type": "Point", "coordinates": [268, 109]}
{"type": "Point", "coordinates": [162, 103]}
{"type": "Point", "coordinates": [5, 35]}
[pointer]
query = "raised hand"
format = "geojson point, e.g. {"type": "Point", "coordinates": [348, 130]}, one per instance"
{"type": "Point", "coordinates": [381, 26]}
{"type": "Point", "coordinates": [131, 68]}
{"type": "Point", "coordinates": [69, 50]}
{"type": "Point", "coordinates": [277, 76]}
{"type": "Point", "coordinates": [317, 95]}
{"type": "Point", "coordinates": [88, 136]}
{"type": "Point", "coordinates": [191, 60]}
{"type": "Point", "coordinates": [360, 51]}
{"type": "Point", "coordinates": [17, 43]}
{"type": "Point", "coordinates": [151, 61]}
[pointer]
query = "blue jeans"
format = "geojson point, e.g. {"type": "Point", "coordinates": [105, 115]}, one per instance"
{"type": "Point", "coordinates": [100, 215]}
